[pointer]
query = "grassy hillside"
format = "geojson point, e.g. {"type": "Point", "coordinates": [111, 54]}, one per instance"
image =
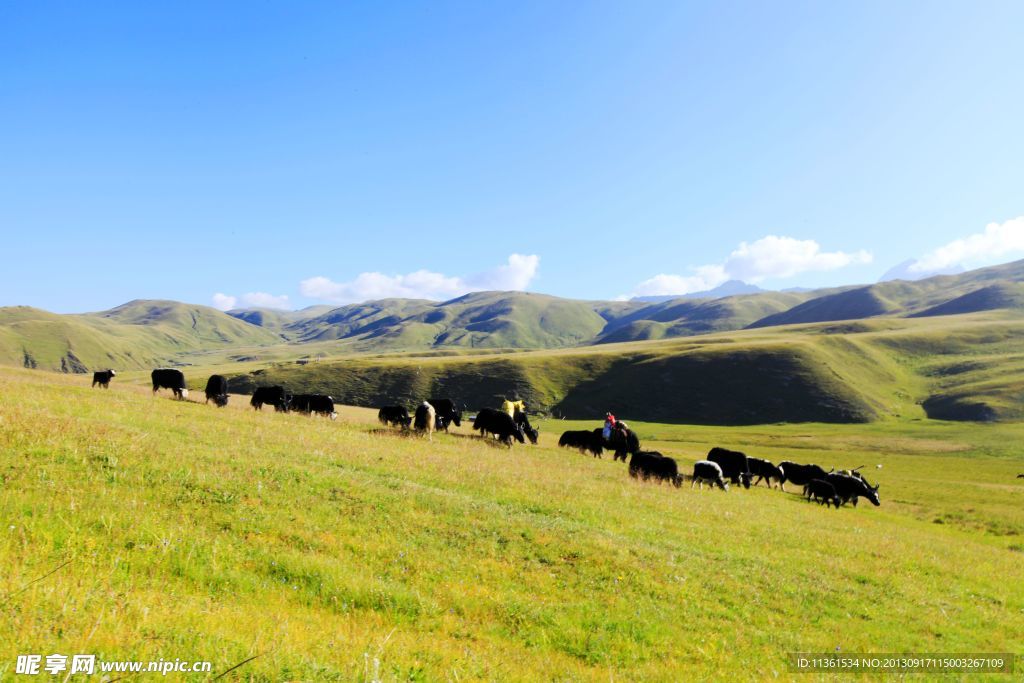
{"type": "Point", "coordinates": [967, 367]}
{"type": "Point", "coordinates": [963, 367]}
{"type": "Point", "coordinates": [478, 320]}
{"type": "Point", "coordinates": [977, 290]}
{"type": "Point", "coordinates": [143, 333]}
{"type": "Point", "coordinates": [522, 320]}
{"type": "Point", "coordinates": [862, 302]}
{"type": "Point", "coordinates": [770, 383]}
{"type": "Point", "coordinates": [188, 324]}
{"type": "Point", "coordinates": [275, 320]}
{"type": "Point", "coordinates": [355, 319]}
{"type": "Point", "coordinates": [1008, 295]}
{"type": "Point", "coordinates": [138, 334]}
{"type": "Point", "coordinates": [518, 320]}
{"type": "Point", "coordinates": [687, 317]}
{"type": "Point", "coordinates": [142, 528]}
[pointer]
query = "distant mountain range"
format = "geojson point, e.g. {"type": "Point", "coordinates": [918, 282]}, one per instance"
{"type": "Point", "coordinates": [139, 334]}
{"type": "Point", "coordinates": [904, 271]}
{"type": "Point", "coordinates": [730, 288]}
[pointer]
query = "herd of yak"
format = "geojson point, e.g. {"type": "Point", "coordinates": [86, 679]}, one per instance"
{"type": "Point", "coordinates": [721, 467]}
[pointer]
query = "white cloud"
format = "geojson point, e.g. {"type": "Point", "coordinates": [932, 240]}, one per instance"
{"type": "Point", "coordinates": [264, 300]}
{"type": "Point", "coordinates": [772, 256]}
{"type": "Point", "coordinates": [421, 284]}
{"type": "Point", "coordinates": [516, 274]}
{"type": "Point", "coordinates": [998, 239]}
{"type": "Point", "coordinates": [224, 302]}
{"type": "Point", "coordinates": [705, 277]}
{"type": "Point", "coordinates": [782, 257]}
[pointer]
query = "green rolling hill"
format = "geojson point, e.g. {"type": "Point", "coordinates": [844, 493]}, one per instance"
{"type": "Point", "coordinates": [275, 320]}
{"type": "Point", "coordinates": [967, 367]}
{"type": "Point", "coordinates": [138, 334]}
{"type": "Point", "coordinates": [522, 320]}
{"type": "Point", "coordinates": [990, 298]}
{"type": "Point", "coordinates": [948, 347]}
{"type": "Point", "coordinates": [477, 320]}
{"type": "Point", "coordinates": [932, 296]}
{"type": "Point", "coordinates": [687, 317]}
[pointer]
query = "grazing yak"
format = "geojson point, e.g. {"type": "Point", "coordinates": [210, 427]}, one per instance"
{"type": "Point", "coordinates": [646, 464]}
{"type": "Point", "coordinates": [425, 419]}
{"type": "Point", "coordinates": [394, 415]}
{"type": "Point", "coordinates": [445, 413]}
{"type": "Point", "coordinates": [822, 492]}
{"type": "Point", "coordinates": [734, 465]}
{"type": "Point", "coordinates": [764, 469]}
{"type": "Point", "coordinates": [802, 474]}
{"type": "Point", "coordinates": [1020, 476]}
{"type": "Point", "coordinates": [310, 404]}
{"type": "Point", "coordinates": [710, 472]}
{"type": "Point", "coordinates": [623, 442]}
{"type": "Point", "coordinates": [583, 440]}
{"type": "Point", "coordinates": [851, 488]}
{"type": "Point", "coordinates": [102, 377]}
{"type": "Point", "coordinates": [217, 390]}
{"type": "Point", "coordinates": [500, 424]}
{"type": "Point", "coordinates": [271, 396]}
{"type": "Point", "coordinates": [523, 421]}
{"type": "Point", "coordinates": [170, 378]}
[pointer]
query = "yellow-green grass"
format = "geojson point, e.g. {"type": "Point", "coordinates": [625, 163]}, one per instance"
{"type": "Point", "coordinates": [323, 546]}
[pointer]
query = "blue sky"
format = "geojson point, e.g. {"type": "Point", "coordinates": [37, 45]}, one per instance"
{"type": "Point", "coordinates": [300, 153]}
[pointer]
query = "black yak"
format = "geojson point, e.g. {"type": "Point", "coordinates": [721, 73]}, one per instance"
{"type": "Point", "coordinates": [646, 464]}
{"type": "Point", "coordinates": [823, 492]}
{"type": "Point", "coordinates": [170, 378]}
{"type": "Point", "coordinates": [851, 488]}
{"type": "Point", "coordinates": [583, 440]}
{"type": "Point", "coordinates": [271, 396]}
{"type": "Point", "coordinates": [734, 465]}
{"type": "Point", "coordinates": [217, 390]}
{"type": "Point", "coordinates": [102, 377]}
{"type": "Point", "coordinates": [764, 469]}
{"type": "Point", "coordinates": [394, 415]}
{"type": "Point", "coordinates": [500, 424]}
{"type": "Point", "coordinates": [710, 472]}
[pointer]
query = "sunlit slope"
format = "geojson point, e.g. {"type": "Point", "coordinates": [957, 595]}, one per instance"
{"type": "Point", "coordinates": [136, 335]}
{"type": "Point", "coordinates": [525, 320]}
{"type": "Point", "coordinates": [687, 317]}
{"type": "Point", "coordinates": [726, 385]}
{"type": "Point", "coordinates": [1006, 295]}
{"type": "Point", "coordinates": [833, 372]}
{"type": "Point", "coordinates": [143, 333]}
{"type": "Point", "coordinates": [187, 324]}
{"type": "Point", "coordinates": [478, 320]}
{"type": "Point", "coordinates": [276, 320]}
{"type": "Point", "coordinates": [330, 551]}
{"type": "Point", "coordinates": [984, 289]}
{"type": "Point", "coordinates": [38, 339]}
